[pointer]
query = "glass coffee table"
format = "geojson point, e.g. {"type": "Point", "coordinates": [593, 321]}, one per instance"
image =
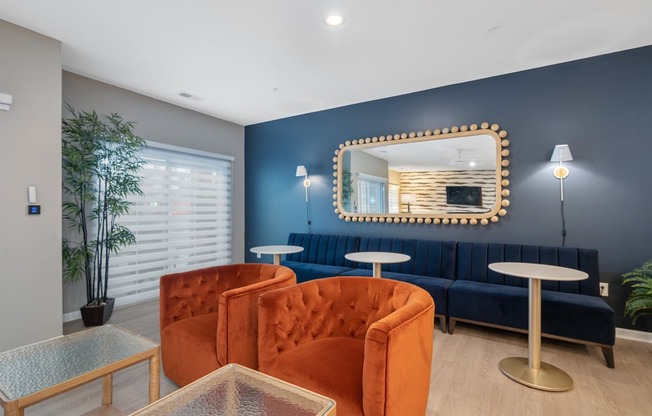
{"type": "Point", "coordinates": [36, 372]}
{"type": "Point", "coordinates": [234, 390]}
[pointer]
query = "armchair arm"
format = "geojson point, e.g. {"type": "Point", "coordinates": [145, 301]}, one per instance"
{"type": "Point", "coordinates": [397, 361]}
{"type": "Point", "coordinates": [237, 326]}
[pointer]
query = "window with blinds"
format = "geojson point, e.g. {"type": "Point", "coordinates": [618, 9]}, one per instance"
{"type": "Point", "coordinates": [181, 222]}
{"type": "Point", "coordinates": [371, 194]}
{"type": "Point", "coordinates": [393, 204]}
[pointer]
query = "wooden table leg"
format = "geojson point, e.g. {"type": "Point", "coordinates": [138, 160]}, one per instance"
{"type": "Point", "coordinates": [154, 377]}
{"type": "Point", "coordinates": [107, 395]}
{"type": "Point", "coordinates": [12, 409]}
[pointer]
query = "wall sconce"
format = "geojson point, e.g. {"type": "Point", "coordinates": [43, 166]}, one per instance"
{"type": "Point", "coordinates": [301, 171]}
{"type": "Point", "coordinates": [561, 154]}
{"type": "Point", "coordinates": [5, 101]}
{"type": "Point", "coordinates": [408, 199]}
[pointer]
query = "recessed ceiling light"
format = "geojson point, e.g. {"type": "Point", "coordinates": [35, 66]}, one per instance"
{"type": "Point", "coordinates": [334, 20]}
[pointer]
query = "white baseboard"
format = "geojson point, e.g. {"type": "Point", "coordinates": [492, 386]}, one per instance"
{"type": "Point", "coordinates": [119, 303]}
{"type": "Point", "coordinates": [71, 316]}
{"type": "Point", "coordinates": [634, 335]}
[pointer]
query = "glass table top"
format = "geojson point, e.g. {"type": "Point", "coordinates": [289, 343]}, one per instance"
{"type": "Point", "coordinates": [27, 370]}
{"type": "Point", "coordinates": [234, 390]}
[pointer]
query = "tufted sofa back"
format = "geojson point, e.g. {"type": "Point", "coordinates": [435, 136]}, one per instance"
{"type": "Point", "coordinates": [473, 260]}
{"type": "Point", "coordinates": [323, 248]}
{"type": "Point", "coordinates": [427, 257]}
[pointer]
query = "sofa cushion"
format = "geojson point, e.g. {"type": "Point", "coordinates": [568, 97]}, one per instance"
{"type": "Point", "coordinates": [194, 339]}
{"type": "Point", "coordinates": [588, 318]}
{"type": "Point", "coordinates": [435, 286]}
{"type": "Point", "coordinates": [310, 271]}
{"type": "Point", "coordinates": [328, 366]}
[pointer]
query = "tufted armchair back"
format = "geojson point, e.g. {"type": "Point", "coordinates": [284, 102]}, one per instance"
{"type": "Point", "coordinates": [222, 297]}
{"type": "Point", "coordinates": [197, 292]}
{"type": "Point", "coordinates": [393, 319]}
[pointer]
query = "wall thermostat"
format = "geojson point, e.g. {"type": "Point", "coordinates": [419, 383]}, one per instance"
{"type": "Point", "coordinates": [34, 210]}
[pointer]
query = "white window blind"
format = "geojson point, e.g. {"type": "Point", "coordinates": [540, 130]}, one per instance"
{"type": "Point", "coordinates": [371, 194]}
{"type": "Point", "coordinates": [181, 222]}
{"type": "Point", "coordinates": [393, 198]}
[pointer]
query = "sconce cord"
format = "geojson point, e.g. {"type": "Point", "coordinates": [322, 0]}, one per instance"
{"type": "Point", "coordinates": [308, 217]}
{"type": "Point", "coordinates": [563, 225]}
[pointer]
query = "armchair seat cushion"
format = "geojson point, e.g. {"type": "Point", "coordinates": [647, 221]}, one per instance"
{"type": "Point", "coordinates": [195, 339]}
{"type": "Point", "coordinates": [315, 366]}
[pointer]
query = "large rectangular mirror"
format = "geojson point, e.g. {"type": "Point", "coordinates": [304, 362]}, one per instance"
{"type": "Point", "coordinates": [450, 176]}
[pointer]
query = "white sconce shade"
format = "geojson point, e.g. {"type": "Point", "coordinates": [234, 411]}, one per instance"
{"type": "Point", "coordinates": [561, 154]}
{"type": "Point", "coordinates": [408, 198]}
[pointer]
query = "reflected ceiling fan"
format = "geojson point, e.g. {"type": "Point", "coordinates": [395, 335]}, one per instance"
{"type": "Point", "coordinates": [460, 161]}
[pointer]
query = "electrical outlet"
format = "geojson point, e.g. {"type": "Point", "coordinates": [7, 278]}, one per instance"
{"type": "Point", "coordinates": [604, 289]}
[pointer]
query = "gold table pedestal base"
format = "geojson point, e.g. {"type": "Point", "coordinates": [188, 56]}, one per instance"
{"type": "Point", "coordinates": [548, 377]}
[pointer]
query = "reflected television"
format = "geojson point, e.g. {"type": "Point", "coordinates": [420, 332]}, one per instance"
{"type": "Point", "coordinates": [464, 195]}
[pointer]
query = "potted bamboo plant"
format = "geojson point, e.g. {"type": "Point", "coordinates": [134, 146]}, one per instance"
{"type": "Point", "coordinates": [639, 302]}
{"type": "Point", "coordinates": [100, 161]}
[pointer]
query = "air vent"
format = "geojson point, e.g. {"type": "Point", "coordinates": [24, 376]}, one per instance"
{"type": "Point", "coordinates": [190, 96]}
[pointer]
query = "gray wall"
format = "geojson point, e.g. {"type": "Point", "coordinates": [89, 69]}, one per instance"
{"type": "Point", "coordinates": [30, 246]}
{"type": "Point", "coordinates": [164, 123]}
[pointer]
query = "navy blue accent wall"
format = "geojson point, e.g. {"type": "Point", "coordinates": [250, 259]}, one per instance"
{"type": "Point", "coordinates": [601, 107]}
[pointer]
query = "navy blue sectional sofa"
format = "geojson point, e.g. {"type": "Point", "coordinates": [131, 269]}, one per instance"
{"type": "Point", "coordinates": [457, 276]}
{"type": "Point", "coordinates": [322, 255]}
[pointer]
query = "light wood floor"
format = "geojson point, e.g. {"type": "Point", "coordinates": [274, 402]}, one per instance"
{"type": "Point", "coordinates": [465, 376]}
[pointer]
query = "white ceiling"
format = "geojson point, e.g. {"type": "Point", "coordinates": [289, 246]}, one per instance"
{"type": "Point", "coordinates": [251, 61]}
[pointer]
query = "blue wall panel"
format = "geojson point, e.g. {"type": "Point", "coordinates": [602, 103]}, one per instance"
{"type": "Point", "coordinates": [601, 107]}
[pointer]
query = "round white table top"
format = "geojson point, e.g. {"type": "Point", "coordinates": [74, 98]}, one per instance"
{"type": "Point", "coordinates": [276, 249]}
{"type": "Point", "coordinates": [538, 271]}
{"type": "Point", "coordinates": [377, 257]}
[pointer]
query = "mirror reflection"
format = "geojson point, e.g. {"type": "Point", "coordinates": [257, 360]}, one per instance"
{"type": "Point", "coordinates": [456, 175]}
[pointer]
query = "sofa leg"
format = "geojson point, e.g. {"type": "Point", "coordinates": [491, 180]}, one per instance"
{"type": "Point", "coordinates": [451, 325]}
{"type": "Point", "coordinates": [608, 353]}
{"type": "Point", "coordinates": [442, 323]}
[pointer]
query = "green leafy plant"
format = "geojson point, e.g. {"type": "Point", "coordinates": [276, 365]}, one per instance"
{"type": "Point", "coordinates": [347, 189]}
{"type": "Point", "coordinates": [639, 302]}
{"type": "Point", "coordinates": [100, 161]}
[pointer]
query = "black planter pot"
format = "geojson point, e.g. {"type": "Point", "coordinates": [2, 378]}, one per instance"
{"type": "Point", "coordinates": [97, 315]}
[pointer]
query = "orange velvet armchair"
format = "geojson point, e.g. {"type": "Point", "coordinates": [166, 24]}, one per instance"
{"type": "Point", "coordinates": [209, 317]}
{"type": "Point", "coordinates": [364, 342]}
